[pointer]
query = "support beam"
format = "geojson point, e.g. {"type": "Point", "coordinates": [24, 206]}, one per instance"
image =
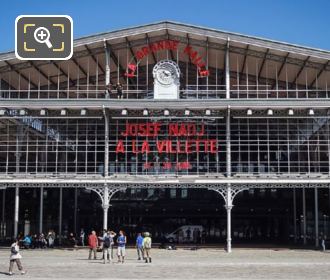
{"type": "Point", "coordinates": [319, 73]}
{"type": "Point", "coordinates": [245, 58]}
{"type": "Point", "coordinates": [107, 63]}
{"type": "Point", "coordinates": [19, 136]}
{"type": "Point", "coordinates": [282, 65]}
{"type": "Point", "coordinates": [75, 210]}
{"type": "Point", "coordinates": [72, 82]}
{"type": "Point", "coordinates": [228, 144]}
{"type": "Point", "coordinates": [21, 74]}
{"type": "Point", "coordinates": [131, 50]}
{"type": "Point", "coordinates": [106, 143]}
{"type": "Point", "coordinates": [105, 193]}
{"type": "Point", "coordinates": [3, 215]}
{"type": "Point", "coordinates": [229, 200]}
{"type": "Point", "coordinates": [227, 63]}
{"type": "Point", "coordinates": [41, 210]}
{"type": "Point", "coordinates": [60, 217]}
{"type": "Point", "coordinates": [279, 72]}
{"type": "Point", "coordinates": [94, 59]}
{"type": "Point", "coordinates": [188, 43]}
{"type": "Point", "coordinates": [80, 67]}
{"type": "Point", "coordinates": [106, 199]}
{"type": "Point", "coordinates": [168, 38]}
{"type": "Point", "coordinates": [300, 70]}
{"type": "Point", "coordinates": [115, 60]}
{"type": "Point", "coordinates": [42, 73]}
{"type": "Point", "coordinates": [304, 216]}
{"type": "Point", "coordinates": [294, 216]}
{"type": "Point", "coordinates": [16, 212]}
{"type": "Point", "coordinates": [316, 205]}
{"type": "Point", "coordinates": [152, 53]}
{"type": "Point", "coordinates": [105, 206]}
{"type": "Point", "coordinates": [228, 207]}
{"type": "Point", "coordinates": [263, 63]}
{"type": "Point", "coordinates": [182, 39]}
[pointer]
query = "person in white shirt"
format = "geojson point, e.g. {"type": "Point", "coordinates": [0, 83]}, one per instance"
{"type": "Point", "coordinates": [15, 256]}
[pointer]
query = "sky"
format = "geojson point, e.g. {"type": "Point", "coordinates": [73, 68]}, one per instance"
{"type": "Point", "coordinates": [300, 22]}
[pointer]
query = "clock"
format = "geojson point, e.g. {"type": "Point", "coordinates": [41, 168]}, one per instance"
{"type": "Point", "coordinates": [165, 75]}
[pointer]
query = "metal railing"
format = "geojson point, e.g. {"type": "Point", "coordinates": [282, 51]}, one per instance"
{"type": "Point", "coordinates": [190, 92]}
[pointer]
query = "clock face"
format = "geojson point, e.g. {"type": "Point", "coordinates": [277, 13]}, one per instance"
{"type": "Point", "coordinates": [165, 76]}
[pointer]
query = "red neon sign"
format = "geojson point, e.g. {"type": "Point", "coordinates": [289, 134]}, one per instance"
{"type": "Point", "coordinates": [171, 45]}
{"type": "Point", "coordinates": [194, 141]}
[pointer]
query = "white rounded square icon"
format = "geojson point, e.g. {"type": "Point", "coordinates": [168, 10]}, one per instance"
{"type": "Point", "coordinates": [44, 37]}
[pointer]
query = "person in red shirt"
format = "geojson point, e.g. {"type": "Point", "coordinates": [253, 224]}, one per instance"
{"type": "Point", "coordinates": [93, 243]}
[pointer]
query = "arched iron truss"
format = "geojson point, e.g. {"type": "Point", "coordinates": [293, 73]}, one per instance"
{"type": "Point", "coordinates": [107, 190]}
{"type": "Point", "coordinates": [223, 191]}
{"type": "Point", "coordinates": [101, 191]}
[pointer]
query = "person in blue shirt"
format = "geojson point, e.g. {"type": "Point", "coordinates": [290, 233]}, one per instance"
{"type": "Point", "coordinates": [121, 241]}
{"type": "Point", "coordinates": [139, 246]}
{"type": "Point", "coordinates": [27, 241]}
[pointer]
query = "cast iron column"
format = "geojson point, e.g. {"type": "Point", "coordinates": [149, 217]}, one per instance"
{"type": "Point", "coordinates": [18, 157]}
{"type": "Point", "coordinates": [294, 216]}
{"type": "Point", "coordinates": [60, 217]}
{"type": "Point", "coordinates": [316, 204]}
{"type": "Point", "coordinates": [229, 204]}
{"type": "Point", "coordinates": [107, 63]}
{"type": "Point", "coordinates": [106, 169]}
{"type": "Point", "coordinates": [105, 206]}
{"type": "Point", "coordinates": [41, 211]}
{"type": "Point", "coordinates": [16, 212]}
{"type": "Point", "coordinates": [227, 71]}
{"type": "Point", "coordinates": [3, 217]}
{"type": "Point", "coordinates": [106, 144]}
{"type": "Point", "coordinates": [304, 216]}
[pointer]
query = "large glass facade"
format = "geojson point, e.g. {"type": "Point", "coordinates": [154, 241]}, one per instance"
{"type": "Point", "coordinates": [53, 126]}
{"type": "Point", "coordinates": [280, 145]}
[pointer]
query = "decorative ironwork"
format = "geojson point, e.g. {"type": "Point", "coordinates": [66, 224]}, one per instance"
{"type": "Point", "coordinates": [144, 185]}
{"type": "Point", "coordinates": [106, 197]}
{"type": "Point", "coordinates": [223, 191]}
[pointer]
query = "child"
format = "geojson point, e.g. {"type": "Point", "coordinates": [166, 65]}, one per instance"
{"type": "Point", "coordinates": [15, 256]}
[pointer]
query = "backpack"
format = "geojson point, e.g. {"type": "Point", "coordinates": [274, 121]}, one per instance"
{"type": "Point", "coordinates": [106, 242]}
{"type": "Point", "coordinates": [147, 243]}
{"type": "Point", "coordinates": [13, 250]}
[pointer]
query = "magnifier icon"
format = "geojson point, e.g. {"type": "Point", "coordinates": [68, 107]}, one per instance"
{"type": "Point", "coordinates": [41, 35]}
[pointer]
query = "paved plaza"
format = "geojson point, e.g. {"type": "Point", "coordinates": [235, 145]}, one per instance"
{"type": "Point", "coordinates": [174, 264]}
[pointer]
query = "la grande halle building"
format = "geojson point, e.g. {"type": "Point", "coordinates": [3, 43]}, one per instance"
{"type": "Point", "coordinates": [211, 128]}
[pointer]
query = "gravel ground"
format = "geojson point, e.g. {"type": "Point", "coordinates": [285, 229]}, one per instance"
{"type": "Point", "coordinates": [176, 264]}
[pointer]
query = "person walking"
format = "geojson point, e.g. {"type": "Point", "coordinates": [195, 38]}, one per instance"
{"type": "Point", "coordinates": [147, 247]}
{"type": "Point", "coordinates": [323, 238]}
{"type": "Point", "coordinates": [112, 236]}
{"type": "Point", "coordinates": [82, 237]}
{"type": "Point", "coordinates": [51, 238]}
{"type": "Point", "coordinates": [106, 247]}
{"type": "Point", "coordinates": [15, 256]}
{"type": "Point", "coordinates": [121, 251]}
{"type": "Point", "coordinates": [92, 243]}
{"type": "Point", "coordinates": [139, 246]}
{"type": "Point", "coordinates": [72, 240]}
{"type": "Point", "coordinates": [42, 241]}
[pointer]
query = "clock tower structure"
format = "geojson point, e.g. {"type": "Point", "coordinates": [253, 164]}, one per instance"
{"type": "Point", "coordinates": [166, 75]}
